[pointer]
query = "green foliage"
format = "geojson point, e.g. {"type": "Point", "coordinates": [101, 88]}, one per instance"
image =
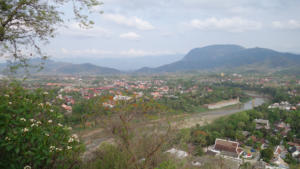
{"type": "Point", "coordinates": [267, 154]}
{"type": "Point", "coordinates": [198, 151]}
{"type": "Point", "coordinates": [32, 131]}
{"type": "Point", "coordinates": [84, 110]}
{"type": "Point", "coordinates": [246, 165]}
{"type": "Point", "coordinates": [25, 24]}
{"type": "Point", "coordinates": [167, 165]}
{"type": "Point", "coordinates": [290, 160]}
{"type": "Point", "coordinates": [194, 101]}
{"type": "Point", "coordinates": [109, 157]}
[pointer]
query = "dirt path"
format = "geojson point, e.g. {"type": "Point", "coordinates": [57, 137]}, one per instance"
{"type": "Point", "coordinates": [88, 134]}
{"type": "Point", "coordinates": [92, 139]}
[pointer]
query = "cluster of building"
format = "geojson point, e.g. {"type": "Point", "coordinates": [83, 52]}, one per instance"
{"type": "Point", "coordinates": [284, 105]}
{"type": "Point", "coordinates": [232, 149]}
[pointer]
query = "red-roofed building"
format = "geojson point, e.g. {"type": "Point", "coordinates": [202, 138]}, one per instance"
{"type": "Point", "coordinates": [227, 148]}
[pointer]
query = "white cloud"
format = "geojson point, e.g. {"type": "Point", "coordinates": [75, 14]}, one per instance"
{"type": "Point", "coordinates": [235, 24]}
{"type": "Point", "coordinates": [75, 30]}
{"type": "Point", "coordinates": [129, 21]}
{"type": "Point", "coordinates": [291, 24]}
{"type": "Point", "coordinates": [130, 36]}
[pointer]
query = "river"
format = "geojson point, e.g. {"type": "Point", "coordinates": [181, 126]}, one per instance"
{"type": "Point", "coordinates": [210, 115]}
{"type": "Point", "coordinates": [237, 108]}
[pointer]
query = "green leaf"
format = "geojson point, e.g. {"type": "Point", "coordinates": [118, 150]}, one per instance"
{"type": "Point", "coordinates": [17, 150]}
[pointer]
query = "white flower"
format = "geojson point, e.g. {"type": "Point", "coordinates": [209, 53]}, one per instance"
{"type": "Point", "coordinates": [41, 104]}
{"type": "Point", "coordinates": [22, 119]}
{"type": "Point", "coordinates": [38, 122]}
{"type": "Point", "coordinates": [51, 110]}
{"type": "Point", "coordinates": [9, 102]}
{"type": "Point", "coordinates": [58, 149]}
{"type": "Point", "coordinates": [48, 103]}
{"type": "Point", "coordinates": [52, 148]}
{"type": "Point", "coordinates": [49, 121]}
{"type": "Point", "coordinates": [60, 125]}
{"type": "Point", "coordinates": [6, 95]}
{"type": "Point", "coordinates": [32, 120]}
{"type": "Point", "coordinates": [46, 134]}
{"type": "Point", "coordinates": [7, 138]}
{"type": "Point", "coordinates": [69, 147]}
{"type": "Point", "coordinates": [27, 167]}
{"type": "Point", "coordinates": [25, 130]}
{"type": "Point", "coordinates": [45, 93]}
{"type": "Point", "coordinates": [75, 136]}
{"type": "Point", "coordinates": [71, 140]}
{"type": "Point", "coordinates": [32, 125]}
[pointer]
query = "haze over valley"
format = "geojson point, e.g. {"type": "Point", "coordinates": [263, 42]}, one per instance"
{"type": "Point", "coordinates": [141, 84]}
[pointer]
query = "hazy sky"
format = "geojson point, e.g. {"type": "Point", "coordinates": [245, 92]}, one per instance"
{"type": "Point", "coordinates": [134, 28]}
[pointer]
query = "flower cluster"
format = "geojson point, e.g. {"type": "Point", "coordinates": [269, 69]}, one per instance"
{"type": "Point", "coordinates": [53, 148]}
{"type": "Point", "coordinates": [73, 138]}
{"type": "Point", "coordinates": [27, 167]}
{"type": "Point", "coordinates": [35, 123]}
{"type": "Point", "coordinates": [24, 130]}
{"type": "Point", "coordinates": [23, 119]}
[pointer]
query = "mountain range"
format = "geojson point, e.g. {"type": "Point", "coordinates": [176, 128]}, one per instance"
{"type": "Point", "coordinates": [125, 63]}
{"type": "Point", "coordinates": [51, 67]}
{"type": "Point", "coordinates": [214, 57]}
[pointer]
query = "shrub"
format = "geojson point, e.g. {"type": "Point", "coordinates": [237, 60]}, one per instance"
{"type": "Point", "coordinates": [32, 133]}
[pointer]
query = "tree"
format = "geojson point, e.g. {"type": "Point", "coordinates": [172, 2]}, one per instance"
{"type": "Point", "coordinates": [108, 157]}
{"type": "Point", "coordinates": [142, 144]}
{"type": "Point", "coordinates": [26, 24]}
{"type": "Point", "coordinates": [32, 131]}
{"type": "Point", "coordinates": [198, 151]}
{"type": "Point", "coordinates": [267, 154]}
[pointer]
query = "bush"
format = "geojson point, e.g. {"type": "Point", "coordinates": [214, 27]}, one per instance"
{"type": "Point", "coordinates": [266, 154]}
{"type": "Point", "coordinates": [31, 131]}
{"type": "Point", "coordinates": [199, 151]}
{"type": "Point", "coordinates": [108, 157]}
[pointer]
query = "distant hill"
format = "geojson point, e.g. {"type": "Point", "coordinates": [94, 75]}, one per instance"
{"type": "Point", "coordinates": [209, 58]}
{"type": "Point", "coordinates": [51, 67]}
{"type": "Point", "coordinates": [228, 57]}
{"type": "Point", "coordinates": [126, 63]}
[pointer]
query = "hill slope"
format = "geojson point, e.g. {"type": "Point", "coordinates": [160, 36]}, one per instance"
{"type": "Point", "coordinates": [229, 56]}
{"type": "Point", "coordinates": [52, 68]}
